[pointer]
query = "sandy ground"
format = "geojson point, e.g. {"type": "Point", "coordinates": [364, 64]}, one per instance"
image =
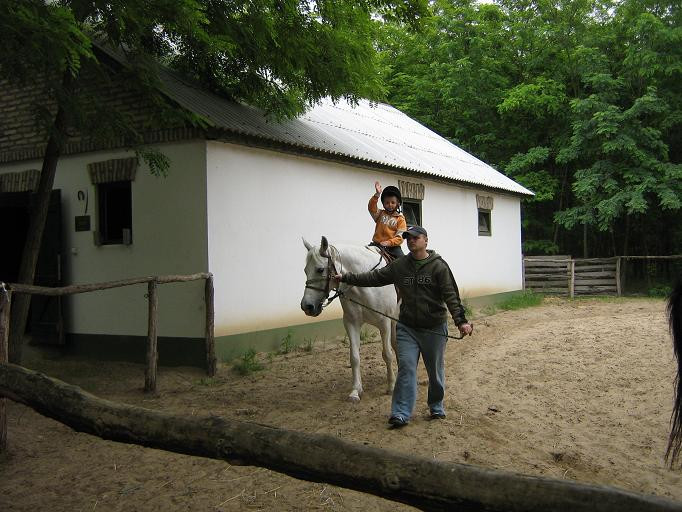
{"type": "Point", "coordinates": [571, 389]}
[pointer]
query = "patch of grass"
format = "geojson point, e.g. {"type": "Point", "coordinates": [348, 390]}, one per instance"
{"type": "Point", "coordinates": [468, 310]}
{"type": "Point", "coordinates": [208, 381]}
{"type": "Point", "coordinates": [248, 364]}
{"type": "Point", "coordinates": [661, 290]}
{"type": "Point", "coordinates": [366, 335]}
{"type": "Point", "coordinates": [525, 299]}
{"type": "Point", "coordinates": [287, 344]}
{"type": "Point", "coordinates": [488, 310]}
{"type": "Point", "coordinates": [308, 344]}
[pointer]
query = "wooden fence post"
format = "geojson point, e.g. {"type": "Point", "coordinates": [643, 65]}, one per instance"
{"type": "Point", "coordinates": [5, 303]}
{"type": "Point", "coordinates": [618, 288]}
{"type": "Point", "coordinates": [152, 352]}
{"type": "Point", "coordinates": [571, 292]}
{"type": "Point", "coordinates": [210, 327]}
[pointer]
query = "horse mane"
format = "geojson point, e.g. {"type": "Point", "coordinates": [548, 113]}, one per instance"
{"type": "Point", "coordinates": [362, 257]}
{"type": "Point", "coordinates": [675, 320]}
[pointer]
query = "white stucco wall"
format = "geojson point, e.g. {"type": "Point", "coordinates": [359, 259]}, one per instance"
{"type": "Point", "coordinates": [169, 237]}
{"type": "Point", "coordinates": [260, 204]}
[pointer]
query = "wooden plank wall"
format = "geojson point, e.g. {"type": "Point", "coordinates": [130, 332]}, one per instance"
{"type": "Point", "coordinates": [566, 276]}
{"type": "Point", "coordinates": [547, 274]}
{"type": "Point", "coordinates": [596, 276]}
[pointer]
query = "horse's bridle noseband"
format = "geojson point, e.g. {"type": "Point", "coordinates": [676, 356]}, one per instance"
{"type": "Point", "coordinates": [331, 272]}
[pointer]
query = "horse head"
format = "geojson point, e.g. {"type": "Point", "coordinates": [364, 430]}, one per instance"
{"type": "Point", "coordinates": [318, 280]}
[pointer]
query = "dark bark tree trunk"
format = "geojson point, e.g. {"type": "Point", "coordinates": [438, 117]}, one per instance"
{"type": "Point", "coordinates": [418, 481]}
{"type": "Point", "coordinates": [38, 214]}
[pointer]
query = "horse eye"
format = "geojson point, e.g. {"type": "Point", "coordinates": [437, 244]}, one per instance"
{"type": "Point", "coordinates": [320, 270]}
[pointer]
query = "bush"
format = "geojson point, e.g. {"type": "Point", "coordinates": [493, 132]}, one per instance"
{"type": "Point", "coordinates": [248, 364]}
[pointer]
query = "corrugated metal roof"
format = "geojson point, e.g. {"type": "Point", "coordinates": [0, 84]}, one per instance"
{"type": "Point", "coordinates": [376, 133]}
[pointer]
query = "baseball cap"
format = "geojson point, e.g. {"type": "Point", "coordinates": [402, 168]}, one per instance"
{"type": "Point", "coordinates": [414, 231]}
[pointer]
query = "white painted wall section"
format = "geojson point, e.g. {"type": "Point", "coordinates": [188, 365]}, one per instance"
{"type": "Point", "coordinates": [260, 204]}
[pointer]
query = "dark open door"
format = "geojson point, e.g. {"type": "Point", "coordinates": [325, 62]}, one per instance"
{"type": "Point", "coordinates": [45, 320]}
{"type": "Point", "coordinates": [46, 324]}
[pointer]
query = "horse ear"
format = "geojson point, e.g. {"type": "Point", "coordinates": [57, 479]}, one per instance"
{"type": "Point", "coordinates": [324, 245]}
{"type": "Point", "coordinates": [307, 244]}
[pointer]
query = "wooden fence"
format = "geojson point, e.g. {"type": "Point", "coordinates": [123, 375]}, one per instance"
{"type": "Point", "coordinates": [152, 284]}
{"type": "Point", "coordinates": [152, 356]}
{"type": "Point", "coordinates": [587, 276]}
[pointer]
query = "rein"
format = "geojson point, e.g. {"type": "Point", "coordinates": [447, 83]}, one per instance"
{"type": "Point", "coordinates": [338, 293]}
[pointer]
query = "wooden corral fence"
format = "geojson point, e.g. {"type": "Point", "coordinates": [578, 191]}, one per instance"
{"type": "Point", "coordinates": [152, 355]}
{"type": "Point", "coordinates": [152, 284]}
{"type": "Point", "coordinates": [421, 482]}
{"type": "Point", "coordinates": [586, 276]}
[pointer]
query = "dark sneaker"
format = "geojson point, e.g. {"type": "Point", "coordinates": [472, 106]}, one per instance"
{"type": "Point", "coordinates": [437, 415]}
{"type": "Point", "coordinates": [397, 422]}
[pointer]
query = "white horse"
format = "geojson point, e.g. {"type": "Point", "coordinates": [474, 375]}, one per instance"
{"type": "Point", "coordinates": [321, 263]}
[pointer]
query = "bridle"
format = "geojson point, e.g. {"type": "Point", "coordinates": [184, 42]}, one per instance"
{"type": "Point", "coordinates": [331, 272]}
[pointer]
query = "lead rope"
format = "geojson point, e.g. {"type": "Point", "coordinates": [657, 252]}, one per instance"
{"type": "Point", "coordinates": [343, 295]}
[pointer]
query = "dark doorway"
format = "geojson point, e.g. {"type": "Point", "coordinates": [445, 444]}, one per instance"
{"type": "Point", "coordinates": [45, 317]}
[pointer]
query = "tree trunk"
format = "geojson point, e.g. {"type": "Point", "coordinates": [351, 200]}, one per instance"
{"type": "Point", "coordinates": [585, 240]}
{"type": "Point", "coordinates": [29, 257]}
{"type": "Point", "coordinates": [555, 238]}
{"type": "Point", "coordinates": [418, 481]}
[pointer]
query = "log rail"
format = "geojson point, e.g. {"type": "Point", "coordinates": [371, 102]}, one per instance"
{"type": "Point", "coordinates": [152, 283]}
{"type": "Point", "coordinates": [417, 481]}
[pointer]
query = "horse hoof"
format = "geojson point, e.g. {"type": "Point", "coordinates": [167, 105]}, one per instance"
{"type": "Point", "coordinates": [354, 397]}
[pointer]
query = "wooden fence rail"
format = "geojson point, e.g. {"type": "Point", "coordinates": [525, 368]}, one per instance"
{"type": "Point", "coordinates": [152, 357]}
{"type": "Point", "coordinates": [585, 276]}
{"type": "Point", "coordinates": [152, 283]}
{"type": "Point", "coordinates": [418, 481]}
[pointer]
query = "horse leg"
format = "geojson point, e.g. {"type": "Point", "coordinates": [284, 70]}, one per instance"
{"type": "Point", "coordinates": [353, 330]}
{"type": "Point", "coordinates": [387, 330]}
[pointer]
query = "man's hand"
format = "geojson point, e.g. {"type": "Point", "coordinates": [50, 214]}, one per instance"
{"type": "Point", "coordinates": [377, 187]}
{"type": "Point", "coordinates": [465, 329]}
{"type": "Point", "coordinates": [385, 244]}
{"type": "Point", "coordinates": [336, 278]}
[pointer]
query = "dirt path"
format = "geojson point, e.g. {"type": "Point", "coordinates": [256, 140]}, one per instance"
{"type": "Point", "coordinates": [579, 390]}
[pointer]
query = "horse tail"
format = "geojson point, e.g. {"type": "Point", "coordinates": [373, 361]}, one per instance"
{"type": "Point", "coordinates": [675, 319]}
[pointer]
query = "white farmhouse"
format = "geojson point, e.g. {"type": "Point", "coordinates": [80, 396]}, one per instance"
{"type": "Point", "coordinates": [239, 196]}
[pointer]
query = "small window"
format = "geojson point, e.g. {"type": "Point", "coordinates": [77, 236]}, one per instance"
{"type": "Point", "coordinates": [484, 228]}
{"type": "Point", "coordinates": [412, 210]}
{"type": "Point", "coordinates": [115, 213]}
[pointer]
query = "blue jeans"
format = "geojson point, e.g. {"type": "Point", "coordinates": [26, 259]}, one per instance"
{"type": "Point", "coordinates": [412, 342]}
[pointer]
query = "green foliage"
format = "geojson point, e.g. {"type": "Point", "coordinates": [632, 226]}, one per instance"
{"type": "Point", "coordinates": [578, 100]}
{"type": "Point", "coordinates": [308, 344]}
{"type": "Point", "coordinates": [468, 310]}
{"type": "Point", "coordinates": [248, 363]}
{"type": "Point", "coordinates": [661, 290]}
{"type": "Point", "coordinates": [540, 247]}
{"type": "Point", "coordinates": [287, 344]}
{"type": "Point", "coordinates": [525, 299]}
{"type": "Point", "coordinates": [366, 335]}
{"type": "Point", "coordinates": [208, 381]}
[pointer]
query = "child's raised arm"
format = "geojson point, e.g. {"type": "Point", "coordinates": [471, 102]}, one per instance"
{"type": "Point", "coordinates": [374, 200]}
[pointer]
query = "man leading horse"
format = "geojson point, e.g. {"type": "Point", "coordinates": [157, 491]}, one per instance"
{"type": "Point", "coordinates": [428, 290]}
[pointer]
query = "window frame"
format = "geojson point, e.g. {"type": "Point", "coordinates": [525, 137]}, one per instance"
{"type": "Point", "coordinates": [418, 204]}
{"type": "Point", "coordinates": [103, 236]}
{"type": "Point", "coordinates": [489, 218]}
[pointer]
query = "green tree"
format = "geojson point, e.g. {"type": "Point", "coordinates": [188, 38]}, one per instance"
{"type": "Point", "coordinates": [280, 55]}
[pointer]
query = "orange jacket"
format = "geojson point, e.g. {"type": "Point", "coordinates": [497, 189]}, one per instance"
{"type": "Point", "coordinates": [389, 227]}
